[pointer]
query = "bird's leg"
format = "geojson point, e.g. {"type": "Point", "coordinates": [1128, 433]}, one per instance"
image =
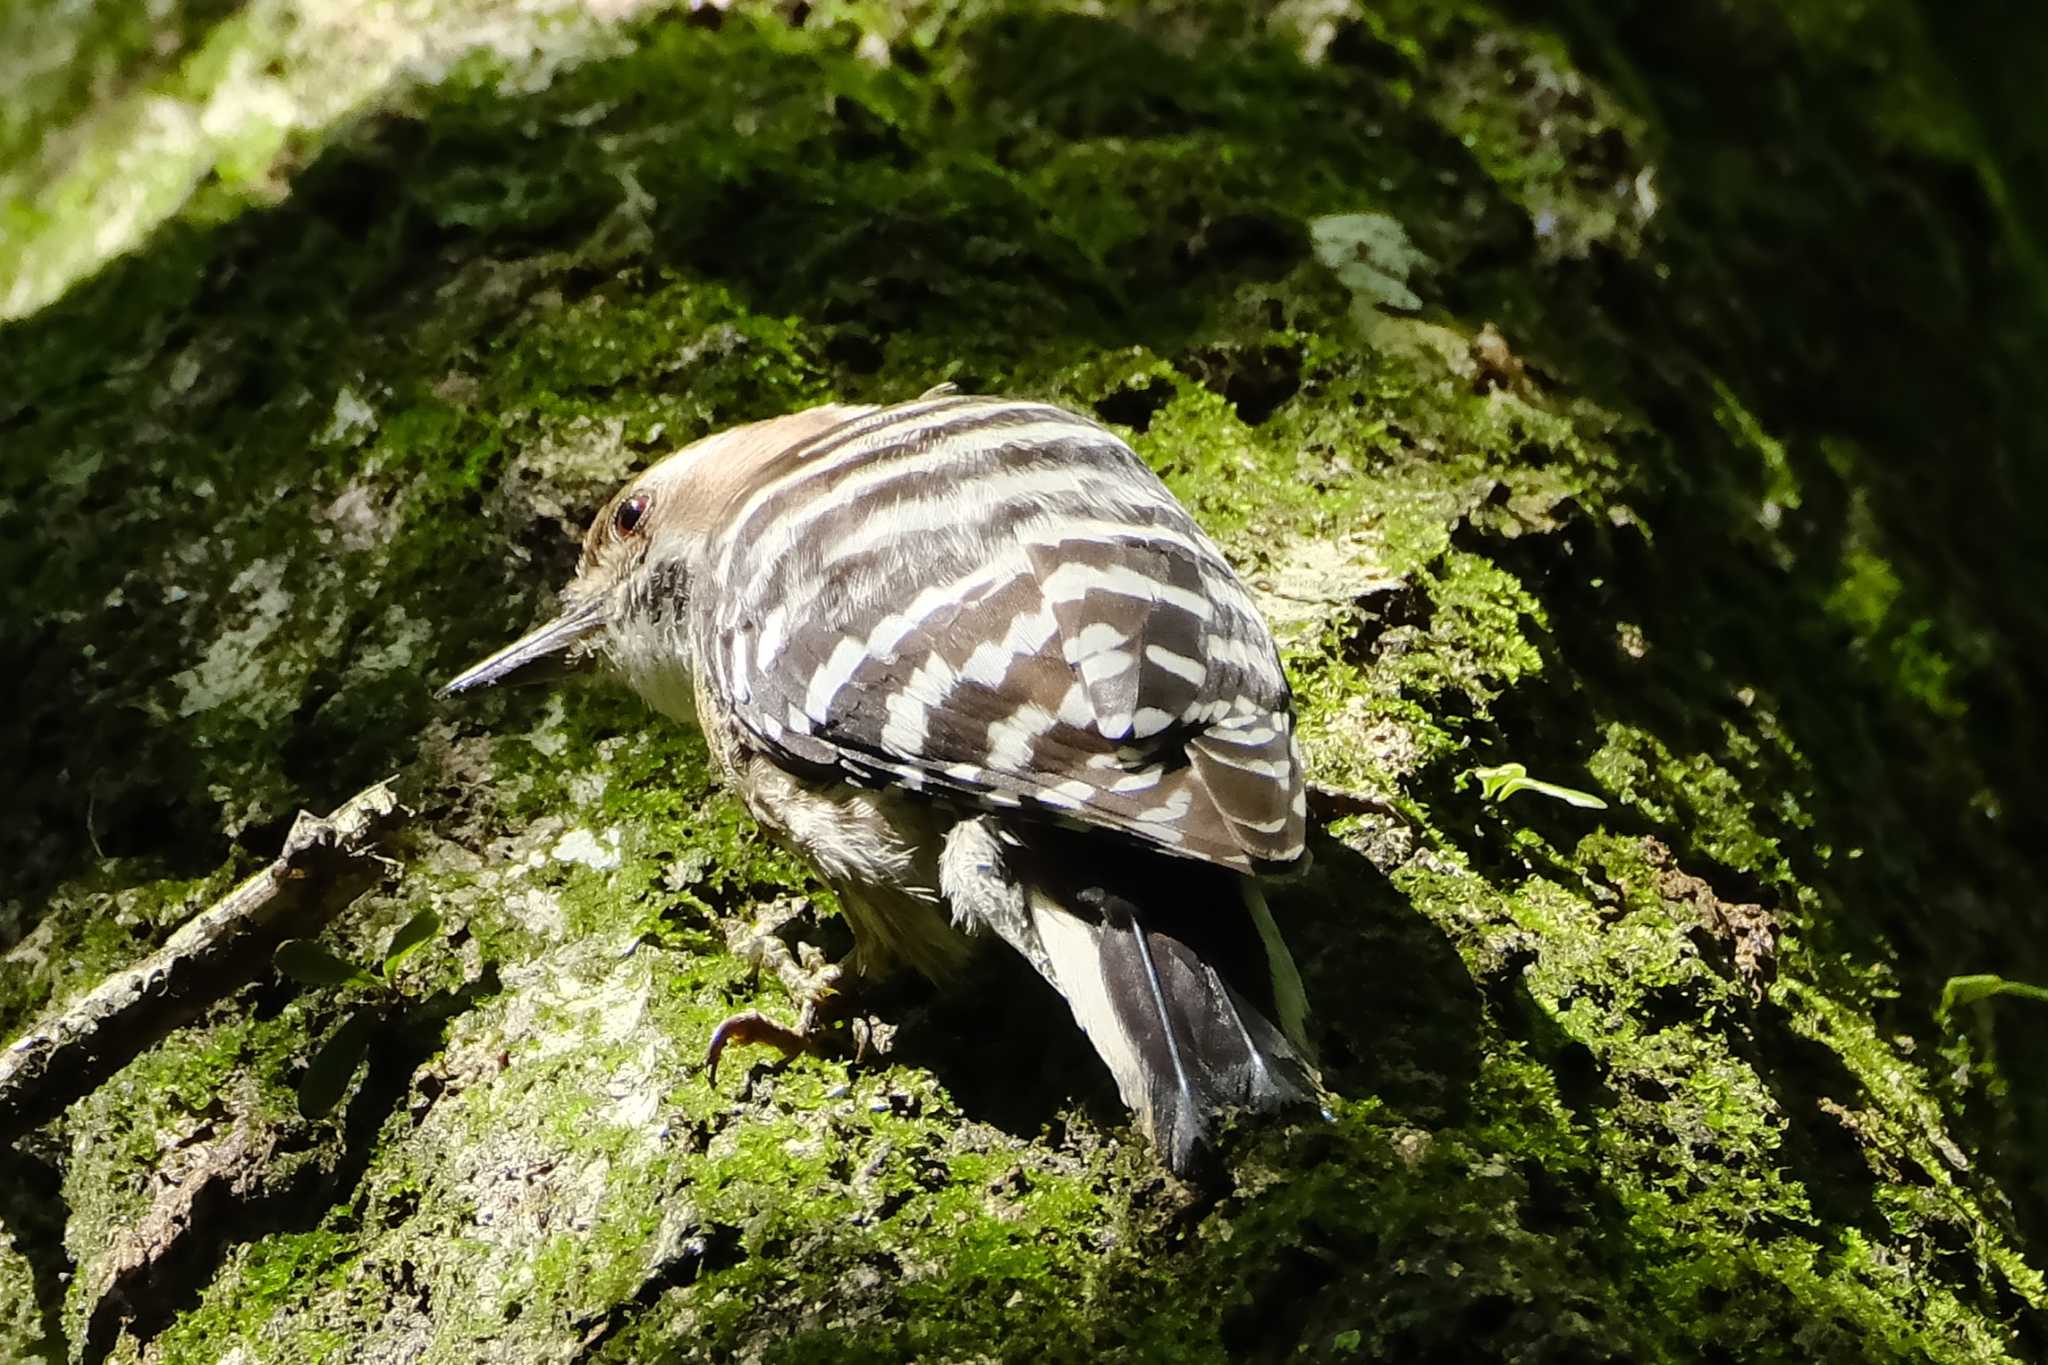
{"type": "Point", "coordinates": [805, 974]}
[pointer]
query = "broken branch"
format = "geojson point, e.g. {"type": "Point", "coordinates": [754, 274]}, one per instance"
{"type": "Point", "coordinates": [325, 863]}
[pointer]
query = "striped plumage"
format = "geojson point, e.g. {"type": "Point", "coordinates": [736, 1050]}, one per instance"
{"type": "Point", "coordinates": [998, 601]}
{"type": "Point", "coordinates": [969, 655]}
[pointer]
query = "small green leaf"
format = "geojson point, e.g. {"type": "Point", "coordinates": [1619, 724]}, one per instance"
{"type": "Point", "coordinates": [1968, 990]}
{"type": "Point", "coordinates": [1499, 783]}
{"type": "Point", "coordinates": [309, 964]}
{"type": "Point", "coordinates": [1495, 782]}
{"type": "Point", "coordinates": [412, 936]}
{"type": "Point", "coordinates": [328, 1074]}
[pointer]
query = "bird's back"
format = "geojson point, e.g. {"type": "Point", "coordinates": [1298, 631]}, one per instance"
{"type": "Point", "coordinates": [995, 601]}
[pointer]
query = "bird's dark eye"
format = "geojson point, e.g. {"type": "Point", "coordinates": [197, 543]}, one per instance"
{"type": "Point", "coordinates": [627, 518]}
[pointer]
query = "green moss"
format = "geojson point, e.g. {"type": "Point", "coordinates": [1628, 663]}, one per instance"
{"type": "Point", "coordinates": [260, 1278]}
{"type": "Point", "coordinates": [200, 1089]}
{"type": "Point", "coordinates": [1691, 791]}
{"type": "Point", "coordinates": [19, 1325]}
{"type": "Point", "coordinates": [94, 926]}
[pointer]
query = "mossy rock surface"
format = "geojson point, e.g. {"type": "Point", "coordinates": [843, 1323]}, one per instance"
{"type": "Point", "coordinates": [1642, 395]}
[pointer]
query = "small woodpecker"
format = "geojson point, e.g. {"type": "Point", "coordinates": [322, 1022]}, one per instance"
{"type": "Point", "coordinates": [970, 659]}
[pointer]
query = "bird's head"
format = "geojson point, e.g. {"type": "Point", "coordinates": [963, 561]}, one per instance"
{"type": "Point", "coordinates": [628, 603]}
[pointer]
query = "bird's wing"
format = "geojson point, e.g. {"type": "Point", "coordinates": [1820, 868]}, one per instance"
{"type": "Point", "coordinates": [1019, 615]}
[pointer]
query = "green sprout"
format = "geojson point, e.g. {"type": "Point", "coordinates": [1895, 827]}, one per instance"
{"type": "Point", "coordinates": [306, 962]}
{"type": "Point", "coordinates": [1499, 783]}
{"type": "Point", "coordinates": [1968, 990]}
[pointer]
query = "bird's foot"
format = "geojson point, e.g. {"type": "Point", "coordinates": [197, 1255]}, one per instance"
{"type": "Point", "coordinates": [805, 974]}
{"type": "Point", "coordinates": [751, 1026]}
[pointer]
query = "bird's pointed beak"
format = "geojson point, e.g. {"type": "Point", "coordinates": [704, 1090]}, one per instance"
{"type": "Point", "coordinates": [553, 651]}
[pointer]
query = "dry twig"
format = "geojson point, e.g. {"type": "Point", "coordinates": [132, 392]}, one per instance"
{"type": "Point", "coordinates": [325, 863]}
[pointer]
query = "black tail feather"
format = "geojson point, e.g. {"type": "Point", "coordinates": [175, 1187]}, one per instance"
{"type": "Point", "coordinates": [1172, 967]}
{"type": "Point", "coordinates": [1203, 1049]}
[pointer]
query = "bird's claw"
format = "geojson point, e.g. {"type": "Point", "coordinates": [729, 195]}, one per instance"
{"type": "Point", "coordinates": [805, 974]}
{"type": "Point", "coordinates": [752, 1026]}
{"type": "Point", "coordinates": [812, 1032]}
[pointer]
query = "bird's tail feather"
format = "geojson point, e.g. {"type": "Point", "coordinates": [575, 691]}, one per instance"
{"type": "Point", "coordinates": [1184, 1044]}
{"type": "Point", "coordinates": [1173, 968]}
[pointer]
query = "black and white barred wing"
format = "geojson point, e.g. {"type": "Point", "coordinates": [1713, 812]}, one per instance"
{"type": "Point", "coordinates": [997, 601]}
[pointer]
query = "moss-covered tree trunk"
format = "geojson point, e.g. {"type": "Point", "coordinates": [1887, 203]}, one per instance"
{"type": "Point", "coordinates": [1644, 394]}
